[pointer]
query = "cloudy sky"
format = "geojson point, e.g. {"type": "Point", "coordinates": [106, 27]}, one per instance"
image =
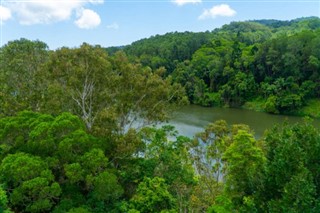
{"type": "Point", "coordinates": [120, 22]}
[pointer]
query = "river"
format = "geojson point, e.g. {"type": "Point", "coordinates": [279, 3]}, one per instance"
{"type": "Point", "coordinates": [192, 119]}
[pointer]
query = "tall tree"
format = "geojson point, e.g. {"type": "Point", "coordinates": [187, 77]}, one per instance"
{"type": "Point", "coordinates": [80, 80]}
{"type": "Point", "coordinates": [106, 90]}
{"type": "Point", "coordinates": [20, 63]}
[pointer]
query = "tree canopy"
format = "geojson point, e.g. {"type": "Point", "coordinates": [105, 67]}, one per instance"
{"type": "Point", "coordinates": [269, 63]}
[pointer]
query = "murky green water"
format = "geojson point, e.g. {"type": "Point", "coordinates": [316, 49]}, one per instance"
{"type": "Point", "coordinates": [192, 119]}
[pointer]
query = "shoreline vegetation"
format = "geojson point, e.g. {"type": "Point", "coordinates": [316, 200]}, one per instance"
{"type": "Point", "coordinates": [311, 109]}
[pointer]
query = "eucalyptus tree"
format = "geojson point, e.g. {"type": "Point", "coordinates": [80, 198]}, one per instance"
{"type": "Point", "coordinates": [105, 90]}
{"type": "Point", "coordinates": [20, 65]}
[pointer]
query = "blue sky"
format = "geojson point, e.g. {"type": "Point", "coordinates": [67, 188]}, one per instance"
{"type": "Point", "coordinates": [119, 22]}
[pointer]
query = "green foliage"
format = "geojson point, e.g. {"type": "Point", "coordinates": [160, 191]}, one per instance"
{"type": "Point", "coordinates": [245, 61]}
{"type": "Point", "coordinates": [83, 148]}
{"type": "Point", "coordinates": [168, 155]}
{"type": "Point", "coordinates": [292, 168]}
{"type": "Point", "coordinates": [79, 210]}
{"type": "Point", "coordinates": [229, 66]}
{"type": "Point", "coordinates": [113, 92]}
{"type": "Point", "coordinates": [103, 91]}
{"type": "Point", "coordinates": [221, 153]}
{"type": "Point", "coordinates": [244, 167]}
{"type": "Point", "coordinates": [222, 205]}
{"type": "Point", "coordinates": [3, 201]}
{"type": "Point", "coordinates": [153, 196]}
{"type": "Point", "coordinates": [224, 169]}
{"type": "Point", "coordinates": [20, 87]}
{"type": "Point", "coordinates": [247, 32]}
{"type": "Point", "coordinates": [33, 184]}
{"type": "Point", "coordinates": [257, 104]}
{"type": "Point", "coordinates": [165, 50]}
{"type": "Point", "coordinates": [106, 187]}
{"type": "Point", "coordinates": [299, 194]}
{"type": "Point", "coordinates": [73, 162]}
{"type": "Point", "coordinates": [51, 164]}
{"type": "Point", "coordinates": [231, 164]}
{"type": "Point", "coordinates": [311, 109]}
{"type": "Point", "coordinates": [270, 105]}
{"type": "Point", "coordinates": [278, 174]}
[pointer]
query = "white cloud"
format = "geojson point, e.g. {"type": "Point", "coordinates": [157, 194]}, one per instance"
{"type": "Point", "coordinates": [218, 10]}
{"type": "Point", "coordinates": [183, 2]}
{"type": "Point", "coordinates": [114, 26]}
{"type": "Point", "coordinates": [46, 11]}
{"type": "Point", "coordinates": [5, 13]}
{"type": "Point", "coordinates": [88, 19]}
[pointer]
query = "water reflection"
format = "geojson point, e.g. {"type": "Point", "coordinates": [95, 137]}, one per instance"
{"type": "Point", "coordinates": [192, 119]}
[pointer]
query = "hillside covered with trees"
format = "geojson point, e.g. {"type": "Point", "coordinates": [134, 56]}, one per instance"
{"type": "Point", "coordinates": [78, 127]}
{"type": "Point", "coordinates": [266, 65]}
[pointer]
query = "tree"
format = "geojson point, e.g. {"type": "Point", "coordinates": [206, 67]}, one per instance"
{"type": "Point", "coordinates": [33, 186]}
{"type": "Point", "coordinates": [208, 148]}
{"type": "Point", "coordinates": [211, 144]}
{"type": "Point", "coordinates": [299, 194]}
{"type": "Point", "coordinates": [170, 154]}
{"type": "Point", "coordinates": [244, 163]}
{"type": "Point", "coordinates": [78, 82]}
{"type": "Point", "coordinates": [3, 201]}
{"type": "Point", "coordinates": [166, 50]}
{"type": "Point", "coordinates": [209, 156]}
{"type": "Point", "coordinates": [20, 65]}
{"type": "Point", "coordinates": [292, 158]}
{"type": "Point", "coordinates": [51, 163]}
{"type": "Point", "coordinates": [152, 196]}
{"type": "Point", "coordinates": [108, 92]}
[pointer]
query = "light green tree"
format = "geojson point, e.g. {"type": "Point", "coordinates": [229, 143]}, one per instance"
{"type": "Point", "coordinates": [244, 163]}
{"type": "Point", "coordinates": [3, 201]}
{"type": "Point", "coordinates": [153, 196]}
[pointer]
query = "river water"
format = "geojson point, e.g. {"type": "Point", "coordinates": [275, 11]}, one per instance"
{"type": "Point", "coordinates": [192, 119]}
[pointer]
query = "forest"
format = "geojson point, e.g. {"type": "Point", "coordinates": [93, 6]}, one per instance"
{"type": "Point", "coordinates": [264, 65]}
{"type": "Point", "coordinates": [80, 133]}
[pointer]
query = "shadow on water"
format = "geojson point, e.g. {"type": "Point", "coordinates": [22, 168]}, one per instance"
{"type": "Point", "coordinates": [192, 119]}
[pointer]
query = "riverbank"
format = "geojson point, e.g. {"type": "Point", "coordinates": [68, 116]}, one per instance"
{"type": "Point", "coordinates": [311, 109]}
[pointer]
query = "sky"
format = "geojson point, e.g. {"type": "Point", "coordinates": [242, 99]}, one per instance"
{"type": "Point", "coordinates": [108, 23]}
